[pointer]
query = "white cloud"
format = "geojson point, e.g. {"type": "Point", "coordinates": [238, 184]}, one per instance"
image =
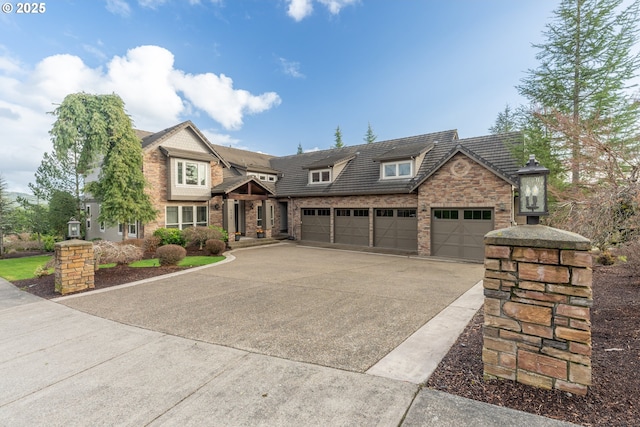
{"type": "Point", "coordinates": [299, 9]}
{"type": "Point", "coordinates": [119, 7]}
{"type": "Point", "coordinates": [291, 68]}
{"type": "Point", "coordinates": [156, 96]}
{"type": "Point", "coordinates": [334, 6]}
{"type": "Point", "coordinates": [152, 4]}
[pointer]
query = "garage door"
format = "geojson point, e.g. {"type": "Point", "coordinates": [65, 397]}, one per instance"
{"type": "Point", "coordinates": [459, 233]}
{"type": "Point", "coordinates": [396, 229]}
{"type": "Point", "coordinates": [316, 225]}
{"type": "Point", "coordinates": [351, 226]}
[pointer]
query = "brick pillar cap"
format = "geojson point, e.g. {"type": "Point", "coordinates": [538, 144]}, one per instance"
{"type": "Point", "coordinates": [537, 236]}
{"type": "Point", "coordinates": [74, 242]}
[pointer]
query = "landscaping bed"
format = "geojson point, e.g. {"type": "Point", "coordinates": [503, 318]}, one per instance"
{"type": "Point", "coordinates": [614, 398]}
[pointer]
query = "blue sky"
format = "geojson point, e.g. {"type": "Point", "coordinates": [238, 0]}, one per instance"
{"type": "Point", "coordinates": [266, 75]}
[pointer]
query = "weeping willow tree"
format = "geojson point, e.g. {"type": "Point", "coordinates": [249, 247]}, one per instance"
{"type": "Point", "coordinates": [95, 132]}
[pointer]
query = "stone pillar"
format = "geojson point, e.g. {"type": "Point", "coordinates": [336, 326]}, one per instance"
{"type": "Point", "coordinates": [74, 266]}
{"type": "Point", "coordinates": [537, 288]}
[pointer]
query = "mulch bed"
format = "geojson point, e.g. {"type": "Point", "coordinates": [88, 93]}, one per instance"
{"type": "Point", "coordinates": [614, 398]}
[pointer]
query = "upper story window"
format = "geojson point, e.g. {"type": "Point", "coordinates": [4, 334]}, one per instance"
{"type": "Point", "coordinates": [401, 169]}
{"type": "Point", "coordinates": [321, 176]}
{"type": "Point", "coordinates": [191, 173]}
{"type": "Point", "coordinates": [263, 176]}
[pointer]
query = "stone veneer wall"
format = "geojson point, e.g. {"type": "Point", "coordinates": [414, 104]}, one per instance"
{"type": "Point", "coordinates": [537, 288]}
{"type": "Point", "coordinates": [462, 183]}
{"type": "Point", "coordinates": [74, 266]}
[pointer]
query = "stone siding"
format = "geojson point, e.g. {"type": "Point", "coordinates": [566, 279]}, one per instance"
{"type": "Point", "coordinates": [74, 266]}
{"type": "Point", "coordinates": [462, 183]}
{"type": "Point", "coordinates": [537, 328]}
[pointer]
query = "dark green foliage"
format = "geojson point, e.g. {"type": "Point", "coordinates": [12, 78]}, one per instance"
{"type": "Point", "coordinates": [338, 136]}
{"type": "Point", "coordinates": [170, 254]}
{"type": "Point", "coordinates": [49, 242]}
{"type": "Point", "coordinates": [581, 84]}
{"type": "Point", "coordinates": [215, 247]}
{"type": "Point", "coordinates": [62, 208]}
{"type": "Point", "coordinates": [56, 174]}
{"type": "Point", "coordinates": [89, 127]}
{"type": "Point", "coordinates": [223, 234]}
{"type": "Point", "coordinates": [170, 236]}
{"type": "Point", "coordinates": [369, 137]}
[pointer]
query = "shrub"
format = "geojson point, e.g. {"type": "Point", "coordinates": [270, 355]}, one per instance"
{"type": "Point", "coordinates": [151, 243]}
{"type": "Point", "coordinates": [135, 242]}
{"type": "Point", "coordinates": [49, 242]}
{"type": "Point", "coordinates": [170, 236]}
{"type": "Point", "coordinates": [170, 254]}
{"type": "Point", "coordinates": [199, 235]}
{"type": "Point", "coordinates": [224, 235]}
{"type": "Point", "coordinates": [215, 247]}
{"type": "Point", "coordinates": [606, 258]}
{"type": "Point", "coordinates": [110, 252]}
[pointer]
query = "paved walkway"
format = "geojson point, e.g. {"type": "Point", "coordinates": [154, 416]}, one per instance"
{"type": "Point", "coordinates": [60, 366]}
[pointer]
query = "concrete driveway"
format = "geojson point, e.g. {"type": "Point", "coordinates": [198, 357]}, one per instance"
{"type": "Point", "coordinates": [334, 308]}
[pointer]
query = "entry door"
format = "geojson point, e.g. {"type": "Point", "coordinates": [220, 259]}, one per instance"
{"type": "Point", "coordinates": [238, 216]}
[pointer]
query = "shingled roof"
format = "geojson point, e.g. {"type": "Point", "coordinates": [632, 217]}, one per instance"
{"type": "Point", "coordinates": [361, 175]}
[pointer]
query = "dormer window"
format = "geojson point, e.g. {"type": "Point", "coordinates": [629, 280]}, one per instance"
{"type": "Point", "coordinates": [399, 169]}
{"type": "Point", "coordinates": [321, 176]}
{"type": "Point", "coordinates": [267, 177]}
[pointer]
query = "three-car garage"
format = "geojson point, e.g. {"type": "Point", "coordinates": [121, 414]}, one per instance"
{"type": "Point", "coordinates": [455, 233]}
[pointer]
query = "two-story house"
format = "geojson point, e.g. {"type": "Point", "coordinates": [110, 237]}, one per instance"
{"type": "Point", "coordinates": [431, 194]}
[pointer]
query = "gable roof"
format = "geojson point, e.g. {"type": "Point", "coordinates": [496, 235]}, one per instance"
{"type": "Point", "coordinates": [361, 175]}
{"type": "Point", "coordinates": [490, 151]}
{"type": "Point", "coordinates": [245, 160]}
{"type": "Point", "coordinates": [231, 184]}
{"type": "Point", "coordinates": [152, 139]}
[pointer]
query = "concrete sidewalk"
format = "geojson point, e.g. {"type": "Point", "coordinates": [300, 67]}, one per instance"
{"type": "Point", "coordinates": [59, 366]}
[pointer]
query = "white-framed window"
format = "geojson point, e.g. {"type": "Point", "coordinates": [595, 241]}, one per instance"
{"type": "Point", "coordinates": [88, 211]}
{"type": "Point", "coordinates": [259, 216]}
{"type": "Point", "coordinates": [263, 176]}
{"type": "Point", "coordinates": [132, 228]}
{"type": "Point", "coordinates": [401, 169]}
{"type": "Point", "coordinates": [186, 216]}
{"type": "Point", "coordinates": [272, 212]}
{"type": "Point", "coordinates": [191, 173]}
{"type": "Point", "coordinates": [320, 176]}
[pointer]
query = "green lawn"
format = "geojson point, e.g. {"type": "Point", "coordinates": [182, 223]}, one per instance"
{"type": "Point", "coordinates": [21, 268]}
{"type": "Point", "coordinates": [24, 268]}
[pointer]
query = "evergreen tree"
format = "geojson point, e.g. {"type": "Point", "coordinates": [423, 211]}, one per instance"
{"type": "Point", "coordinates": [89, 128]}
{"type": "Point", "coordinates": [338, 135]}
{"type": "Point", "coordinates": [300, 148]}
{"type": "Point", "coordinates": [56, 174]}
{"type": "Point", "coordinates": [586, 64]}
{"type": "Point", "coordinates": [369, 137]}
{"type": "Point", "coordinates": [120, 187]}
{"type": "Point", "coordinates": [505, 122]}
{"type": "Point", "coordinates": [62, 207]}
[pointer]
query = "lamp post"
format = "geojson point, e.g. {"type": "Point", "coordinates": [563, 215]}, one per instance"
{"type": "Point", "coordinates": [532, 188]}
{"type": "Point", "coordinates": [74, 228]}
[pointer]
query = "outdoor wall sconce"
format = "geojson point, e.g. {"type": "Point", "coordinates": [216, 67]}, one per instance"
{"type": "Point", "coordinates": [216, 206]}
{"type": "Point", "coordinates": [73, 228]}
{"type": "Point", "coordinates": [532, 188]}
